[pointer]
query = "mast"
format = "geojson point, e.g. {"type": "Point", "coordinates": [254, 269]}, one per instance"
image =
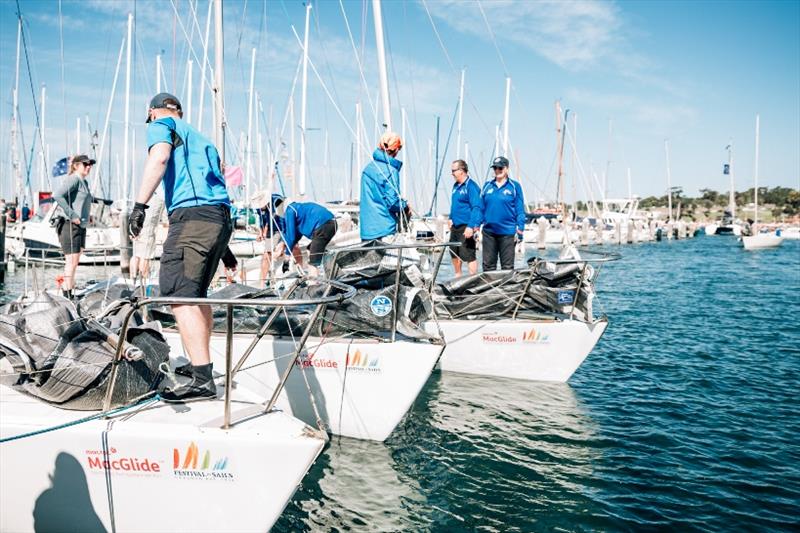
{"type": "Point", "coordinates": [42, 130]}
{"type": "Point", "coordinates": [669, 180]}
{"type": "Point", "coordinates": [460, 114]}
{"type": "Point", "coordinates": [250, 103]}
{"type": "Point", "coordinates": [404, 176]}
{"type": "Point", "coordinates": [127, 126]}
{"type": "Point", "coordinates": [384, 79]}
{"type": "Point", "coordinates": [505, 116]}
{"type": "Point", "coordinates": [755, 191]}
{"type": "Point", "coordinates": [731, 193]}
{"type": "Point", "coordinates": [259, 113]}
{"type": "Point", "coordinates": [189, 69]}
{"type": "Point", "coordinates": [15, 120]}
{"type": "Point", "coordinates": [303, 105]}
{"type": "Point", "coordinates": [78, 135]}
{"type": "Point", "coordinates": [203, 68]}
{"type": "Point", "coordinates": [561, 131]}
{"type": "Point", "coordinates": [108, 122]}
{"type": "Point", "coordinates": [219, 65]}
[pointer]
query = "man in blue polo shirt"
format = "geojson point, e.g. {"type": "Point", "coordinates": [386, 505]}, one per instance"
{"type": "Point", "coordinates": [199, 229]}
{"type": "Point", "coordinates": [503, 209]}
{"type": "Point", "coordinates": [307, 219]}
{"type": "Point", "coordinates": [465, 217]}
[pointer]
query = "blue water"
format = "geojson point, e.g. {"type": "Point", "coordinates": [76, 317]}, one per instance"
{"type": "Point", "coordinates": [684, 417]}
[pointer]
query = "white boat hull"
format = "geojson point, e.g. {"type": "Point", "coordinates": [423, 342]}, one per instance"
{"type": "Point", "coordinates": [546, 350]}
{"type": "Point", "coordinates": [163, 468]}
{"type": "Point", "coordinates": [761, 241]}
{"type": "Point", "coordinates": [361, 388]}
{"type": "Point", "coordinates": [39, 241]}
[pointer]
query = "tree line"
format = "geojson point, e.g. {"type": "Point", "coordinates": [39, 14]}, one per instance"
{"type": "Point", "coordinates": [785, 200]}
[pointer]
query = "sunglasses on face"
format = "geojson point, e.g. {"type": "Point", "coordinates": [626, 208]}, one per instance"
{"type": "Point", "coordinates": [498, 168]}
{"type": "Point", "coordinates": [88, 165]}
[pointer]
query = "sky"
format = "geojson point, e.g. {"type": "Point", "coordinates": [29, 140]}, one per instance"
{"type": "Point", "coordinates": [635, 76]}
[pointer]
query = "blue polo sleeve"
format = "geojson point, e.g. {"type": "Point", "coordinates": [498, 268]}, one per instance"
{"type": "Point", "coordinates": [520, 208]}
{"type": "Point", "coordinates": [158, 132]}
{"type": "Point", "coordinates": [475, 205]}
{"type": "Point", "coordinates": [291, 234]}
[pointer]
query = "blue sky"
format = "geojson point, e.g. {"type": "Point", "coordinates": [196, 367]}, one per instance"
{"type": "Point", "coordinates": [695, 73]}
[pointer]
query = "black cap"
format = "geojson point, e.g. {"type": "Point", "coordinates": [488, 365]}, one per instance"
{"type": "Point", "coordinates": [164, 101]}
{"type": "Point", "coordinates": [83, 159]}
{"type": "Point", "coordinates": [500, 162]}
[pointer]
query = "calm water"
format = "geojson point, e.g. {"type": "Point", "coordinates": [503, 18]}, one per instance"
{"type": "Point", "coordinates": [683, 417]}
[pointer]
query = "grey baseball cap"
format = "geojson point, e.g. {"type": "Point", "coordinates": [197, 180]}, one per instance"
{"type": "Point", "coordinates": [500, 162]}
{"type": "Point", "coordinates": [164, 101]}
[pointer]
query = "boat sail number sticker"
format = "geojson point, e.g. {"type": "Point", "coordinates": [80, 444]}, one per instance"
{"type": "Point", "coordinates": [566, 297]}
{"type": "Point", "coordinates": [381, 305]}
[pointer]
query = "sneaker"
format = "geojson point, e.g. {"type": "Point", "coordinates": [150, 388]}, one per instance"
{"type": "Point", "coordinates": [184, 370]}
{"type": "Point", "coordinates": [192, 391]}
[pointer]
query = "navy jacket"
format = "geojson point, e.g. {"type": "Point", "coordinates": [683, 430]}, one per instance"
{"type": "Point", "coordinates": [465, 205]}
{"type": "Point", "coordinates": [503, 207]}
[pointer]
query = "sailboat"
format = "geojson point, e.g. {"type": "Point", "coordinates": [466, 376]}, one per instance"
{"type": "Point", "coordinates": [728, 225]}
{"type": "Point", "coordinates": [759, 241]}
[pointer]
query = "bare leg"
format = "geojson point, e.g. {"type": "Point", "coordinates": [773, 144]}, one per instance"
{"type": "Point", "coordinates": [194, 326]}
{"type": "Point", "coordinates": [134, 266]}
{"type": "Point", "coordinates": [473, 267]}
{"type": "Point", "coordinates": [144, 267]}
{"type": "Point", "coordinates": [70, 266]}
{"type": "Point", "coordinates": [457, 266]}
{"type": "Point", "coordinates": [266, 264]}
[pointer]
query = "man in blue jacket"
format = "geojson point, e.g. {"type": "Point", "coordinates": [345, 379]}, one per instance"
{"type": "Point", "coordinates": [465, 217]}
{"type": "Point", "coordinates": [381, 207]}
{"type": "Point", "coordinates": [503, 209]}
{"type": "Point", "coordinates": [307, 219]}
{"type": "Point", "coordinates": [199, 229]}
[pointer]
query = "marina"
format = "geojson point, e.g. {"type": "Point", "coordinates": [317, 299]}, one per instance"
{"type": "Point", "coordinates": [276, 302]}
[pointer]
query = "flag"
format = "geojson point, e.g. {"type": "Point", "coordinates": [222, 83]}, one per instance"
{"type": "Point", "coordinates": [233, 176]}
{"type": "Point", "coordinates": [726, 169]}
{"type": "Point", "coordinates": [61, 168]}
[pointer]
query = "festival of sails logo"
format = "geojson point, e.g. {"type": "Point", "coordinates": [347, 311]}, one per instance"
{"type": "Point", "coordinates": [359, 361]}
{"type": "Point", "coordinates": [192, 467]}
{"type": "Point", "coordinates": [535, 337]}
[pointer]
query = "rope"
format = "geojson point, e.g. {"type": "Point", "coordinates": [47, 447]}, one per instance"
{"type": "Point", "coordinates": [101, 414]}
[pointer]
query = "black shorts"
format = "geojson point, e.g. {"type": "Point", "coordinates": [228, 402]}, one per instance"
{"type": "Point", "coordinates": [196, 241]}
{"type": "Point", "coordinates": [71, 237]}
{"type": "Point", "coordinates": [466, 247]}
{"type": "Point", "coordinates": [319, 241]}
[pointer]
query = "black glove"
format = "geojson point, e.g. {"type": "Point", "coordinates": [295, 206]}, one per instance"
{"type": "Point", "coordinates": [106, 201]}
{"type": "Point", "coordinates": [285, 266]}
{"type": "Point", "coordinates": [136, 220]}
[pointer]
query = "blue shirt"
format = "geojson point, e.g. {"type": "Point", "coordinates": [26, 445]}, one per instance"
{"type": "Point", "coordinates": [302, 219]}
{"type": "Point", "coordinates": [193, 176]}
{"type": "Point", "coordinates": [503, 207]}
{"type": "Point", "coordinates": [380, 203]}
{"type": "Point", "coordinates": [465, 205]}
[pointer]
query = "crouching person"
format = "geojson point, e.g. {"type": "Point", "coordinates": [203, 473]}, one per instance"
{"type": "Point", "coordinates": [307, 219]}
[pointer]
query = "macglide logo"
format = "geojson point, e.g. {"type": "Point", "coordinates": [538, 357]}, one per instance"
{"type": "Point", "coordinates": [311, 361]}
{"type": "Point", "coordinates": [191, 467]}
{"type": "Point", "coordinates": [532, 336]}
{"type": "Point", "coordinates": [363, 362]}
{"type": "Point", "coordinates": [101, 460]}
{"type": "Point", "coordinates": [497, 338]}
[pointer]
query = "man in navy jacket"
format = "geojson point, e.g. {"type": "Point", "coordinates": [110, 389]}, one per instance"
{"type": "Point", "coordinates": [503, 209]}
{"type": "Point", "coordinates": [465, 217]}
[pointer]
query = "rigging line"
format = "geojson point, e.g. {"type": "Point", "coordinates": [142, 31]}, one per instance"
{"type": "Point", "coordinates": [315, 15]}
{"type": "Point", "coordinates": [241, 31]}
{"type": "Point", "coordinates": [467, 94]}
{"type": "Point", "coordinates": [191, 46]}
{"type": "Point", "coordinates": [494, 40]}
{"type": "Point", "coordinates": [358, 60]}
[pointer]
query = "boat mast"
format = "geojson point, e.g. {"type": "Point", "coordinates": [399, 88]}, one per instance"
{"type": "Point", "coordinates": [125, 166]}
{"type": "Point", "coordinates": [203, 68]}
{"type": "Point", "coordinates": [669, 180]}
{"type": "Point", "coordinates": [158, 73]}
{"type": "Point", "coordinates": [219, 65]}
{"type": "Point", "coordinates": [189, 72]}
{"type": "Point", "coordinates": [303, 105]}
{"type": "Point", "coordinates": [108, 122]}
{"type": "Point", "coordinates": [561, 130]}
{"type": "Point", "coordinates": [732, 193]}
{"type": "Point", "coordinates": [506, 115]}
{"type": "Point", "coordinates": [250, 104]}
{"type": "Point", "coordinates": [15, 121]}
{"type": "Point", "coordinates": [42, 130]}
{"type": "Point", "coordinates": [460, 114]}
{"type": "Point", "coordinates": [755, 191]}
{"type": "Point", "coordinates": [384, 79]}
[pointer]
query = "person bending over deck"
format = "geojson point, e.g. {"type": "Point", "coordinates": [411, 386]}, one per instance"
{"type": "Point", "coordinates": [381, 207]}
{"type": "Point", "coordinates": [307, 219]}
{"type": "Point", "coordinates": [199, 229]}
{"type": "Point", "coordinates": [75, 199]}
{"type": "Point", "coordinates": [465, 217]}
{"type": "Point", "coordinates": [503, 209]}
